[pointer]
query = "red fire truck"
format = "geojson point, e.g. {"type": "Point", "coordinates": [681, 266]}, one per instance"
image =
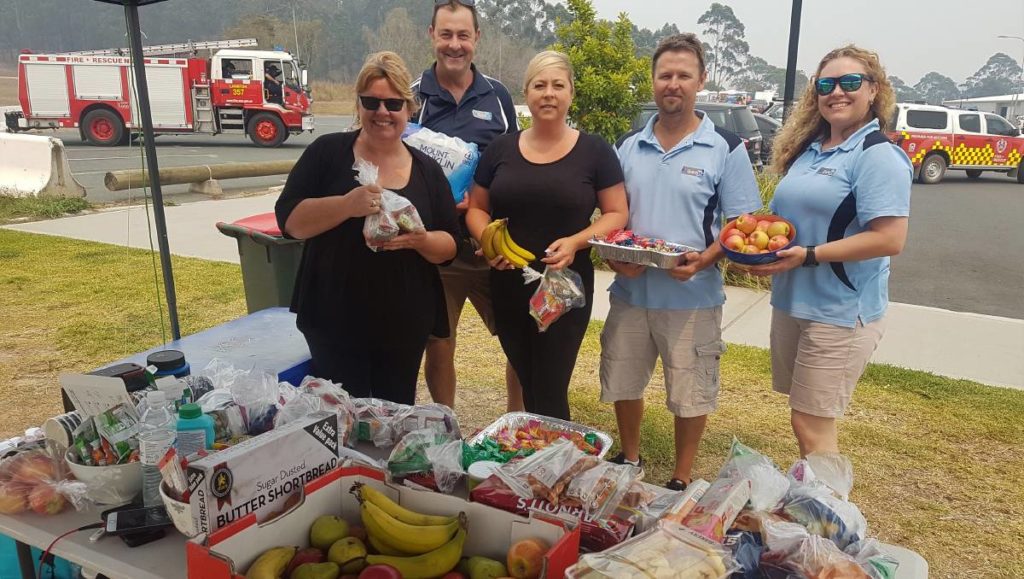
{"type": "Point", "coordinates": [229, 92]}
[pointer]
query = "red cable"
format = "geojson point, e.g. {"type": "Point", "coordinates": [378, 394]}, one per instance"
{"type": "Point", "coordinates": [46, 553]}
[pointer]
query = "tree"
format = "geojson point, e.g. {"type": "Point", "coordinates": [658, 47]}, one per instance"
{"type": "Point", "coordinates": [725, 48]}
{"type": "Point", "coordinates": [935, 88]}
{"type": "Point", "coordinates": [759, 75]}
{"type": "Point", "coordinates": [904, 92]}
{"type": "Point", "coordinates": [611, 81]}
{"type": "Point", "coordinates": [999, 76]}
{"type": "Point", "coordinates": [646, 41]}
{"type": "Point", "coordinates": [401, 35]}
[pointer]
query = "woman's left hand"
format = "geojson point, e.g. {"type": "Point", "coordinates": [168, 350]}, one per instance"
{"type": "Point", "coordinates": [560, 253]}
{"type": "Point", "coordinates": [789, 258]}
{"type": "Point", "coordinates": [415, 241]}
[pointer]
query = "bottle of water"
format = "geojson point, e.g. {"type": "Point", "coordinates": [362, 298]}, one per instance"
{"type": "Point", "coordinates": [156, 436]}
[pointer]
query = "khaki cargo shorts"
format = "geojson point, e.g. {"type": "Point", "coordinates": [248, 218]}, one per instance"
{"type": "Point", "coordinates": [689, 343]}
{"type": "Point", "coordinates": [470, 280]}
{"type": "Point", "coordinates": [818, 364]}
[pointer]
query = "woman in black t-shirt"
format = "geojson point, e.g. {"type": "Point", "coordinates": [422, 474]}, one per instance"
{"type": "Point", "coordinates": [367, 315]}
{"type": "Point", "coordinates": [547, 181]}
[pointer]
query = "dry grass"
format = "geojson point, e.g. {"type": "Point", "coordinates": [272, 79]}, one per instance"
{"type": "Point", "coordinates": [937, 460]}
{"type": "Point", "coordinates": [8, 89]}
{"type": "Point", "coordinates": [333, 98]}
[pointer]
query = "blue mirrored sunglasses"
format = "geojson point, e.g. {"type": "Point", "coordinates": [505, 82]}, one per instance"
{"type": "Point", "coordinates": [848, 82]}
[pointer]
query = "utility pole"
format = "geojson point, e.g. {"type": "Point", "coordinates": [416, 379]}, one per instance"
{"type": "Point", "coordinates": [794, 42]}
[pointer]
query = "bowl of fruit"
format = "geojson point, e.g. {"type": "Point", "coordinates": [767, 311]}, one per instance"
{"type": "Point", "coordinates": [756, 239]}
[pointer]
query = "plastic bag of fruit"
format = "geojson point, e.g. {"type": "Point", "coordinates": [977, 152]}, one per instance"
{"type": "Point", "coordinates": [256, 394]}
{"type": "Point", "coordinates": [315, 395]}
{"type": "Point", "coordinates": [824, 514]}
{"type": "Point", "coordinates": [37, 479]}
{"type": "Point", "coordinates": [397, 214]}
{"type": "Point", "coordinates": [560, 290]}
{"type": "Point", "coordinates": [768, 484]}
{"type": "Point", "coordinates": [790, 548]}
{"type": "Point", "coordinates": [668, 550]}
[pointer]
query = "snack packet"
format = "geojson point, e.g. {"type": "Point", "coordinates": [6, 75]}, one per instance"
{"type": "Point", "coordinates": [717, 509]}
{"type": "Point", "coordinates": [546, 473]}
{"type": "Point", "coordinates": [397, 214]}
{"type": "Point", "coordinates": [560, 290]}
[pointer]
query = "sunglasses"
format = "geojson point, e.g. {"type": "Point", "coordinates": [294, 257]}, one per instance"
{"type": "Point", "coordinates": [371, 103]}
{"type": "Point", "coordinates": [466, 3]}
{"type": "Point", "coordinates": [848, 82]}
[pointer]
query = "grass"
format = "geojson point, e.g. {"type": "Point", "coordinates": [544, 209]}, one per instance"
{"type": "Point", "coordinates": [333, 98]}
{"type": "Point", "coordinates": [23, 208]}
{"type": "Point", "coordinates": [937, 460]}
{"type": "Point", "coordinates": [8, 89]}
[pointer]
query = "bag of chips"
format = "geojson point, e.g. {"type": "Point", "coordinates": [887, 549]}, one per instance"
{"type": "Point", "coordinates": [560, 290]}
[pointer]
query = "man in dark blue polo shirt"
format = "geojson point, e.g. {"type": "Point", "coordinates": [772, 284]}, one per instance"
{"type": "Point", "coordinates": [457, 100]}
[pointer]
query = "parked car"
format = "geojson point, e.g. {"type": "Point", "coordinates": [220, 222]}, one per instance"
{"type": "Point", "coordinates": [939, 138]}
{"type": "Point", "coordinates": [768, 127]}
{"type": "Point", "coordinates": [735, 118]}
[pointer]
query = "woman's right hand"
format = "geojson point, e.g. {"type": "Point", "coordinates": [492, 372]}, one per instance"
{"type": "Point", "coordinates": [364, 200]}
{"type": "Point", "coordinates": [498, 262]}
{"type": "Point", "coordinates": [629, 270]}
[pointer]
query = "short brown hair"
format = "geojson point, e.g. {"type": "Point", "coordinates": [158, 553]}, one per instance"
{"type": "Point", "coordinates": [453, 5]}
{"type": "Point", "coordinates": [390, 67]}
{"type": "Point", "coordinates": [687, 42]}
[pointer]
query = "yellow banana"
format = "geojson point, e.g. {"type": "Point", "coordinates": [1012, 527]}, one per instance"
{"type": "Point", "coordinates": [414, 539]}
{"type": "Point", "coordinates": [271, 564]}
{"type": "Point", "coordinates": [383, 548]}
{"type": "Point", "coordinates": [487, 237]}
{"type": "Point", "coordinates": [372, 495]}
{"type": "Point", "coordinates": [507, 252]}
{"type": "Point", "coordinates": [496, 238]}
{"type": "Point", "coordinates": [521, 252]}
{"type": "Point", "coordinates": [432, 564]}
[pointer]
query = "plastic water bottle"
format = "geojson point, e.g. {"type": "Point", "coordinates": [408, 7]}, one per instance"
{"type": "Point", "coordinates": [155, 438]}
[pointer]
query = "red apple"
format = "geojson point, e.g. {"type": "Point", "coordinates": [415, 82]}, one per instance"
{"type": "Point", "coordinates": [526, 558]}
{"type": "Point", "coordinates": [751, 249]}
{"type": "Point", "coordinates": [778, 242]}
{"type": "Point", "coordinates": [746, 223]}
{"type": "Point", "coordinates": [303, 556]}
{"type": "Point", "coordinates": [454, 575]}
{"type": "Point", "coordinates": [380, 572]}
{"type": "Point", "coordinates": [33, 467]}
{"type": "Point", "coordinates": [357, 531]}
{"type": "Point", "coordinates": [759, 239]}
{"type": "Point", "coordinates": [735, 242]}
{"type": "Point", "coordinates": [778, 228]}
{"type": "Point", "coordinates": [763, 225]}
{"type": "Point", "coordinates": [45, 500]}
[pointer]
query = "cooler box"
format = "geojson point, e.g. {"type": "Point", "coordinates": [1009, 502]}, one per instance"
{"type": "Point", "coordinates": [269, 260]}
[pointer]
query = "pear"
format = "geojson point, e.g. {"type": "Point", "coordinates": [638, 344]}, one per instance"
{"type": "Point", "coordinates": [326, 530]}
{"type": "Point", "coordinates": [484, 568]}
{"type": "Point", "coordinates": [316, 571]}
{"type": "Point", "coordinates": [349, 553]}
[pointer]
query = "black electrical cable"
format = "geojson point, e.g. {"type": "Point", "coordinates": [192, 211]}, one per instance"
{"type": "Point", "coordinates": [46, 553]}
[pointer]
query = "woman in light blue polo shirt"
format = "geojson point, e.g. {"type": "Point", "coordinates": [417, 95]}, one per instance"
{"type": "Point", "coordinates": [846, 189]}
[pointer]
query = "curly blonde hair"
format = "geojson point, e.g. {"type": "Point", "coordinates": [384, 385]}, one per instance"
{"type": "Point", "coordinates": [389, 66]}
{"type": "Point", "coordinates": [806, 124]}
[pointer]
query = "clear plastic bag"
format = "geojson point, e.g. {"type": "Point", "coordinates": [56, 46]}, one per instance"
{"type": "Point", "coordinates": [38, 479]}
{"type": "Point", "coordinates": [876, 563]}
{"type": "Point", "coordinates": [457, 158]}
{"type": "Point", "coordinates": [332, 397]}
{"type": "Point", "coordinates": [825, 514]}
{"type": "Point", "coordinates": [600, 490]}
{"type": "Point", "coordinates": [256, 394]}
{"type": "Point", "coordinates": [374, 420]}
{"type": "Point", "coordinates": [668, 550]}
{"type": "Point", "coordinates": [436, 417]}
{"type": "Point", "coordinates": [560, 290]}
{"type": "Point", "coordinates": [547, 472]}
{"type": "Point", "coordinates": [768, 484]}
{"type": "Point", "coordinates": [397, 214]}
{"type": "Point", "coordinates": [409, 456]}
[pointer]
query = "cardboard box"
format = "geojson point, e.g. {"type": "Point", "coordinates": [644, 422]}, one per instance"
{"type": "Point", "coordinates": [263, 475]}
{"type": "Point", "coordinates": [228, 552]}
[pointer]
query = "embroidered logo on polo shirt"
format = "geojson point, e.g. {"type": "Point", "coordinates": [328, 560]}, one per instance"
{"type": "Point", "coordinates": [827, 171]}
{"type": "Point", "coordinates": [483, 115]}
{"type": "Point", "coordinates": [693, 172]}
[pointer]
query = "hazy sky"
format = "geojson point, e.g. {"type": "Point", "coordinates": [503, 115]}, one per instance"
{"type": "Point", "coordinates": [913, 38]}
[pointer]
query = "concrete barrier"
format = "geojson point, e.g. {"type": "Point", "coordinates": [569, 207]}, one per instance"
{"type": "Point", "coordinates": [34, 166]}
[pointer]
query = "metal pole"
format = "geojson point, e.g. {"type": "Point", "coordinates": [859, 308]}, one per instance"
{"type": "Point", "coordinates": [794, 41]}
{"type": "Point", "coordinates": [131, 10]}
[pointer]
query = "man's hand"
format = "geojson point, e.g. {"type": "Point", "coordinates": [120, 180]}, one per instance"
{"type": "Point", "coordinates": [691, 263]}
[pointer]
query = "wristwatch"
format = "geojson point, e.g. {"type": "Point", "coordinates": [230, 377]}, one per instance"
{"type": "Point", "coordinates": [810, 260]}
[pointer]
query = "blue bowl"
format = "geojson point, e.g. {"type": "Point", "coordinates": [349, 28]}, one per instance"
{"type": "Point", "coordinates": [754, 258]}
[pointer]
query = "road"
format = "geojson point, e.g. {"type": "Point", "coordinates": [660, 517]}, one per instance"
{"type": "Point", "coordinates": [965, 249]}
{"type": "Point", "coordinates": [89, 164]}
{"type": "Point", "coordinates": [964, 252]}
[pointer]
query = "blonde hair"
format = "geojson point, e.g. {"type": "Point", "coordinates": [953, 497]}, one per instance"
{"type": "Point", "coordinates": [545, 60]}
{"type": "Point", "coordinates": [806, 124]}
{"type": "Point", "coordinates": [390, 67]}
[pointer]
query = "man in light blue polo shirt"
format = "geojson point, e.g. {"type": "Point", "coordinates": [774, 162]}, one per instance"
{"type": "Point", "coordinates": [683, 175]}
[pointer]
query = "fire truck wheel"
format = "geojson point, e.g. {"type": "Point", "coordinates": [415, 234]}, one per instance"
{"type": "Point", "coordinates": [933, 169]}
{"type": "Point", "coordinates": [267, 130]}
{"type": "Point", "coordinates": [974, 173]}
{"type": "Point", "coordinates": [103, 128]}
{"type": "Point", "coordinates": [1020, 172]}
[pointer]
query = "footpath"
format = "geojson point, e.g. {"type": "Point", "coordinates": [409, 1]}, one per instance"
{"type": "Point", "coordinates": [982, 348]}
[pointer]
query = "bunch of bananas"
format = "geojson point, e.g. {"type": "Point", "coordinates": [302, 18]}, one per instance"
{"type": "Point", "coordinates": [496, 241]}
{"type": "Point", "coordinates": [417, 545]}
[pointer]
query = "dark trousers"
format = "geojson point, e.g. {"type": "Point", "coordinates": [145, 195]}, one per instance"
{"type": "Point", "coordinates": [544, 361]}
{"type": "Point", "coordinates": [386, 371]}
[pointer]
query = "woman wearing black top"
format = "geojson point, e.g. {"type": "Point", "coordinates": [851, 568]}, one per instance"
{"type": "Point", "coordinates": [367, 315]}
{"type": "Point", "coordinates": [547, 181]}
